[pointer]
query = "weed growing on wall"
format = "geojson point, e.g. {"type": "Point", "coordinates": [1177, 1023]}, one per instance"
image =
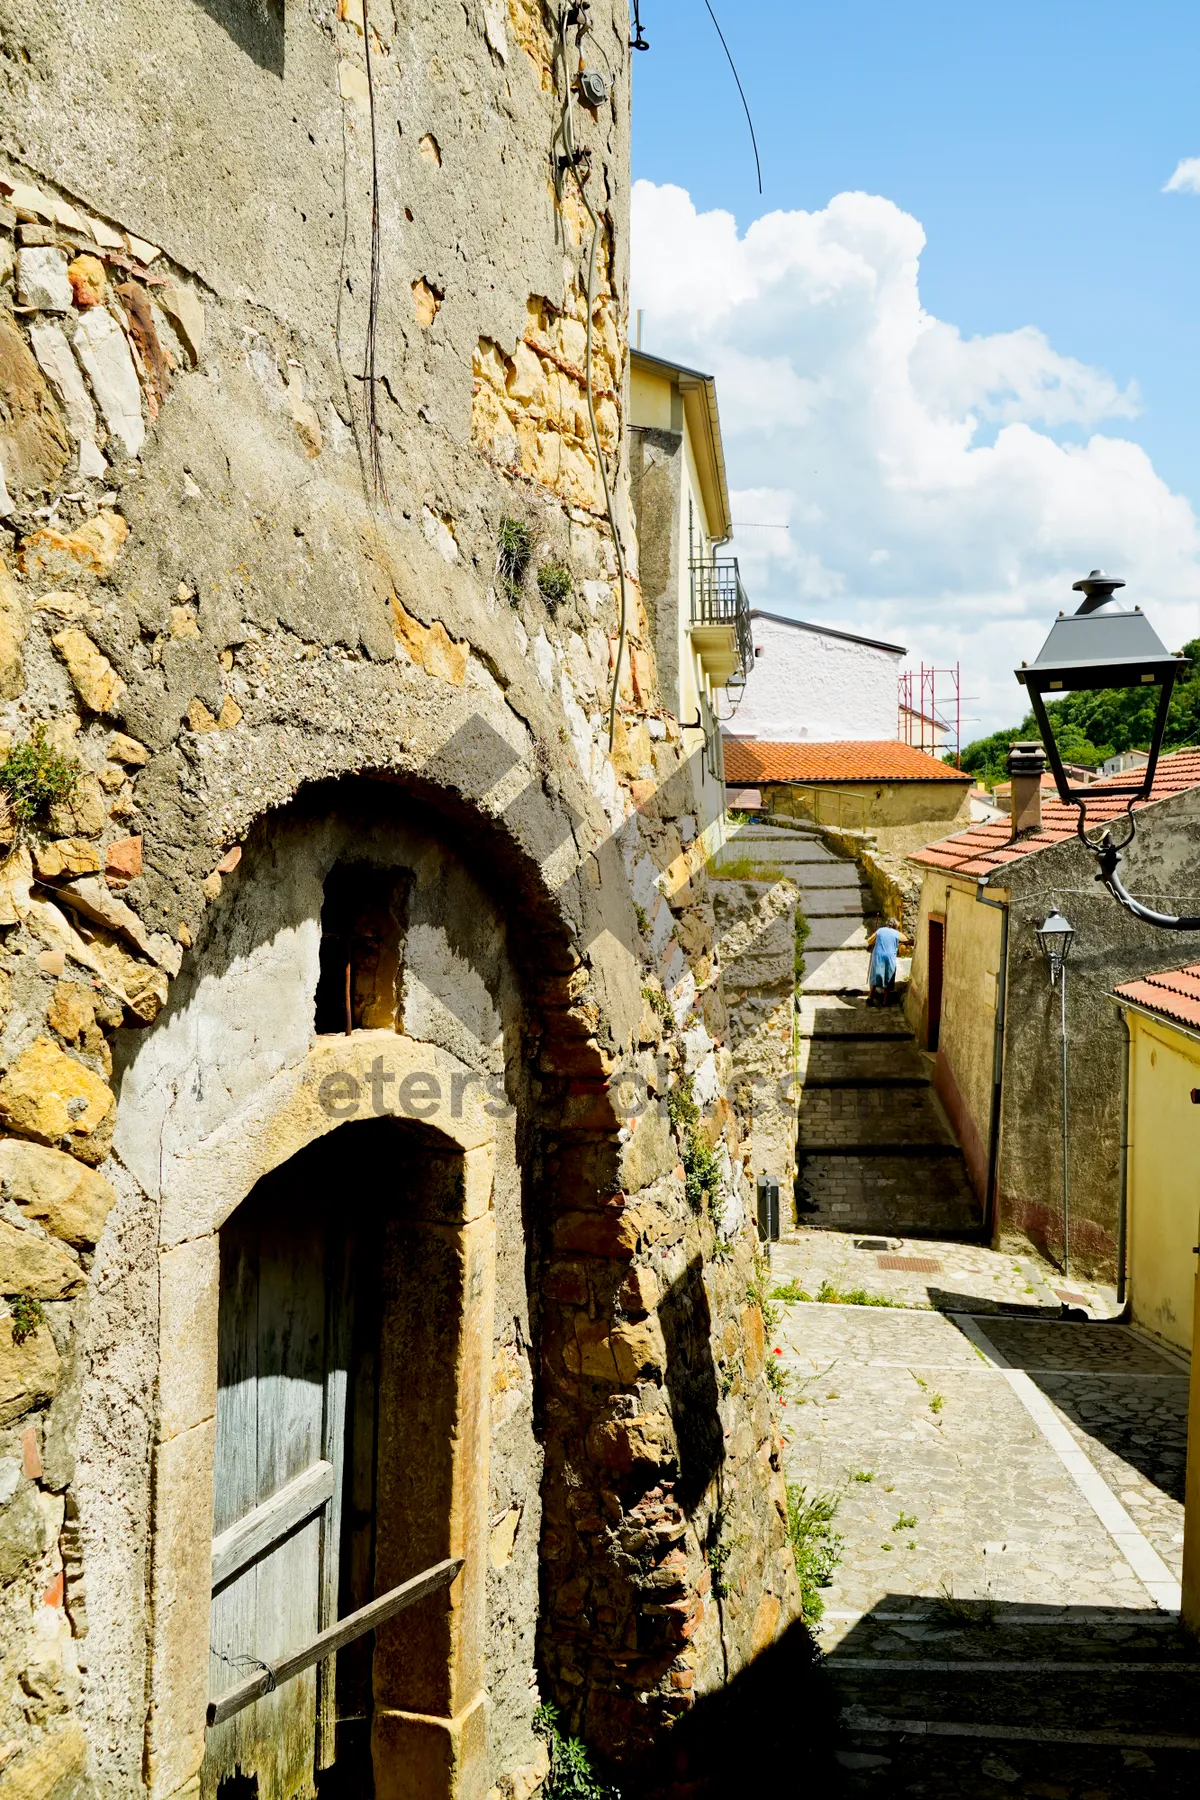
{"type": "Point", "coordinates": [658, 1003]}
{"type": "Point", "coordinates": [554, 582]}
{"type": "Point", "coordinates": [571, 1774]}
{"type": "Point", "coordinates": [816, 1546]}
{"type": "Point", "coordinates": [514, 547]}
{"type": "Point", "coordinates": [34, 776]}
{"type": "Point", "coordinates": [803, 929]}
{"type": "Point", "coordinates": [27, 1314]}
{"type": "Point", "coordinates": [720, 1547]}
{"type": "Point", "coordinates": [681, 1104]}
{"type": "Point", "coordinates": [756, 1294]}
{"type": "Point", "coordinates": [701, 1175]}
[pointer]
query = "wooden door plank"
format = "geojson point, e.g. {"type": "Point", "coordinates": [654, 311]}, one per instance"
{"type": "Point", "coordinates": [326, 1643]}
{"type": "Point", "coordinates": [339, 1310]}
{"type": "Point", "coordinates": [291, 1384]}
{"type": "Point", "coordinates": [235, 1475]}
{"type": "Point", "coordinates": [266, 1527]}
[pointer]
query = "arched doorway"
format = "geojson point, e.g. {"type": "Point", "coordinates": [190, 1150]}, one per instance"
{"type": "Point", "coordinates": [274, 1044]}
{"type": "Point", "coordinates": [350, 1454]}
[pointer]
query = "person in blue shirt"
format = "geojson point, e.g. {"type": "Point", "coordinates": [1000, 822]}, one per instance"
{"type": "Point", "coordinates": [881, 976]}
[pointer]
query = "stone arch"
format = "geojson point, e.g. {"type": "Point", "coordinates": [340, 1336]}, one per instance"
{"type": "Point", "coordinates": [232, 1082]}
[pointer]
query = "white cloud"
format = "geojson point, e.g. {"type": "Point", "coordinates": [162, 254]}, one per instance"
{"type": "Point", "coordinates": [925, 499]}
{"type": "Point", "coordinates": [1186, 179]}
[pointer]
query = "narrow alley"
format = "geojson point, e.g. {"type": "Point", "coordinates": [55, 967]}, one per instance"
{"type": "Point", "coordinates": [1006, 1494]}
{"type": "Point", "coordinates": [986, 1495]}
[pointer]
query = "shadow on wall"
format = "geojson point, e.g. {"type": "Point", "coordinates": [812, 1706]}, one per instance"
{"type": "Point", "coordinates": [771, 1730]}
{"type": "Point", "coordinates": [256, 26]}
{"type": "Point", "coordinates": [691, 1380]}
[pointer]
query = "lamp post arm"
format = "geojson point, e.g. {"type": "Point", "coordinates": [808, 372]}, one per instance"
{"type": "Point", "coordinates": [1108, 857]}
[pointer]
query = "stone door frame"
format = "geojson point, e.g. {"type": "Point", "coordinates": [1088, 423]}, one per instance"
{"type": "Point", "coordinates": [430, 1754]}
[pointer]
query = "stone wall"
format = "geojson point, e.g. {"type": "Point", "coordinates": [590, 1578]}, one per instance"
{"type": "Point", "coordinates": [1162, 868]}
{"type": "Point", "coordinates": [756, 921]}
{"type": "Point", "coordinates": [258, 614]}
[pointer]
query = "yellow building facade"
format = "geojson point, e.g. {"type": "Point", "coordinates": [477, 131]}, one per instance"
{"type": "Point", "coordinates": [698, 612]}
{"type": "Point", "coordinates": [1162, 1014]}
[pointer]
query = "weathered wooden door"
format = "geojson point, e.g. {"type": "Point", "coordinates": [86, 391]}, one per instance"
{"type": "Point", "coordinates": [935, 974]}
{"type": "Point", "coordinates": [286, 1357]}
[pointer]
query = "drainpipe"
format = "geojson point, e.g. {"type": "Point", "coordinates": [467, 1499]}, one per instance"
{"type": "Point", "coordinates": [1122, 1214]}
{"type": "Point", "coordinates": [990, 1198]}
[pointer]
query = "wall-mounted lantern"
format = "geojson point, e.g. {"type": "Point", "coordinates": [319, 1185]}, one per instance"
{"type": "Point", "coordinates": [1055, 935]}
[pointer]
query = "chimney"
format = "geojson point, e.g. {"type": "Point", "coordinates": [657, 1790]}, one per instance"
{"type": "Point", "coordinates": [1026, 763]}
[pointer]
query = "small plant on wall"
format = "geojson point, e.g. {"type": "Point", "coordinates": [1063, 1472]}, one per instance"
{"type": "Point", "coordinates": [554, 582]}
{"type": "Point", "coordinates": [34, 776]}
{"type": "Point", "coordinates": [571, 1774]}
{"type": "Point", "coordinates": [514, 547]}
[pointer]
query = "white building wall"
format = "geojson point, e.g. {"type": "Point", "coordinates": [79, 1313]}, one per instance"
{"type": "Point", "coordinates": [808, 683]}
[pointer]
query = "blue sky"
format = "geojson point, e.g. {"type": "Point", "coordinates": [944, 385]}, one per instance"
{"type": "Point", "coordinates": [1032, 144]}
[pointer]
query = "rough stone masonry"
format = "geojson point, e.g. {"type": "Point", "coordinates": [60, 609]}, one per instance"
{"type": "Point", "coordinates": [306, 568]}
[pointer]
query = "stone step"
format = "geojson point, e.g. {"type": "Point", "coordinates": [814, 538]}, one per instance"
{"type": "Point", "coordinates": [871, 1115]}
{"type": "Point", "coordinates": [835, 971]}
{"type": "Point", "coordinates": [828, 1060]}
{"type": "Point", "coordinates": [813, 1082]}
{"type": "Point", "coordinates": [837, 874]}
{"type": "Point", "coordinates": [1165, 1701]}
{"type": "Point", "coordinates": [838, 933]}
{"type": "Point", "coordinates": [849, 1016]}
{"type": "Point", "coordinates": [842, 971]}
{"type": "Point", "coordinates": [889, 1195]}
{"type": "Point", "coordinates": [831, 903]}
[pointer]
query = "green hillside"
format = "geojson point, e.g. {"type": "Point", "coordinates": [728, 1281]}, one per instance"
{"type": "Point", "coordinates": [1088, 728]}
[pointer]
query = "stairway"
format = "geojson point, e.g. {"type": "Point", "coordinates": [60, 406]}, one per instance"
{"type": "Point", "coordinates": [876, 1152]}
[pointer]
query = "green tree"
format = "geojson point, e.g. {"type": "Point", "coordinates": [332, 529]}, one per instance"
{"type": "Point", "coordinates": [1090, 727]}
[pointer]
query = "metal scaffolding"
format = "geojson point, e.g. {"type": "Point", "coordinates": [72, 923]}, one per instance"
{"type": "Point", "coordinates": [930, 710]}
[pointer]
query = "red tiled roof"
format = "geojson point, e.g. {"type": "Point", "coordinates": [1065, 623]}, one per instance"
{"type": "Point", "coordinates": [986, 848]}
{"type": "Point", "coordinates": [749, 761]}
{"type": "Point", "coordinates": [1174, 995]}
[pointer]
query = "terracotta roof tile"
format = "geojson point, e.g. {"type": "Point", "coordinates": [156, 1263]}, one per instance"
{"type": "Point", "coordinates": [749, 761]}
{"type": "Point", "coordinates": [1175, 994]}
{"type": "Point", "coordinates": [985, 848]}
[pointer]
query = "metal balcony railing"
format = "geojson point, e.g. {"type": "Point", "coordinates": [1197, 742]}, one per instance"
{"type": "Point", "coordinates": [718, 598]}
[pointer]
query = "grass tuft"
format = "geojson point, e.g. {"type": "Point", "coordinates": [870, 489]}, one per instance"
{"type": "Point", "coordinates": [514, 547]}
{"type": "Point", "coordinates": [949, 1607]}
{"type": "Point", "coordinates": [554, 582]}
{"type": "Point", "coordinates": [816, 1546]}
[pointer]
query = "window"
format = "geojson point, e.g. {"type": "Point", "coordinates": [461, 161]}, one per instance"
{"type": "Point", "coordinates": [362, 929]}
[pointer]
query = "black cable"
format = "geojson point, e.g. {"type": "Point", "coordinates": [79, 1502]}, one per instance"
{"type": "Point", "coordinates": [745, 105]}
{"type": "Point", "coordinates": [638, 41]}
{"type": "Point", "coordinates": [369, 377]}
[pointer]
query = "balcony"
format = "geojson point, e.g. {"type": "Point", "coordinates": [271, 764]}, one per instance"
{"type": "Point", "coordinates": [720, 624]}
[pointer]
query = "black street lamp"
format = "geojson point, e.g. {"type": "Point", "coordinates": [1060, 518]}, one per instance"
{"type": "Point", "coordinates": [1103, 645]}
{"type": "Point", "coordinates": [1055, 935]}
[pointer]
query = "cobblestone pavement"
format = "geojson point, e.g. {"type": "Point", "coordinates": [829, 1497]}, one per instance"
{"type": "Point", "coordinates": [1000, 1621]}
{"type": "Point", "coordinates": [968, 1277]}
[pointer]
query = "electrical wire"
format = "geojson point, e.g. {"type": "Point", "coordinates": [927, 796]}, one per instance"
{"type": "Point", "coordinates": [745, 104]}
{"type": "Point", "coordinates": [571, 161]}
{"type": "Point", "coordinates": [370, 381]}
